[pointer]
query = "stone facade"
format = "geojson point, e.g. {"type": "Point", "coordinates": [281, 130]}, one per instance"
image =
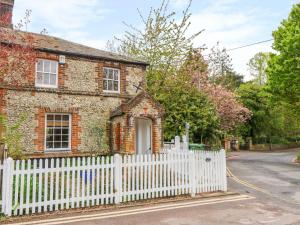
{"type": "Point", "coordinates": [80, 94]}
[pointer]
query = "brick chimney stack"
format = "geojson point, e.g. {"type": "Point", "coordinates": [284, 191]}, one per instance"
{"type": "Point", "coordinates": [6, 12]}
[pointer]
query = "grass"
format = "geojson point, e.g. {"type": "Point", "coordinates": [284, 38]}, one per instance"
{"type": "Point", "coordinates": [298, 157]}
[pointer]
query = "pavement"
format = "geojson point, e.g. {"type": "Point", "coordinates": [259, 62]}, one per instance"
{"type": "Point", "coordinates": [269, 193]}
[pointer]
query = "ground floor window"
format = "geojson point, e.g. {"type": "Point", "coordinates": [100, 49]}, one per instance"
{"type": "Point", "coordinates": [58, 131]}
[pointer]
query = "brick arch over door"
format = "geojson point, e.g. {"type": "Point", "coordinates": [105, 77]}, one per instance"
{"type": "Point", "coordinates": [124, 117]}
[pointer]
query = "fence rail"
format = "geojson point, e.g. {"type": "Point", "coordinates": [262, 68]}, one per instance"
{"type": "Point", "coordinates": [42, 185]}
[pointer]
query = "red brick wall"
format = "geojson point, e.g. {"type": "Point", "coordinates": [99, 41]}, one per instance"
{"type": "Point", "coordinates": [39, 142]}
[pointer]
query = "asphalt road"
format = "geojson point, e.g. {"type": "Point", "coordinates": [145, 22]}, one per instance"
{"type": "Point", "coordinates": [271, 178]}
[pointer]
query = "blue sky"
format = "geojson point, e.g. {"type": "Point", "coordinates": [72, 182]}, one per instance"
{"type": "Point", "coordinates": [92, 22]}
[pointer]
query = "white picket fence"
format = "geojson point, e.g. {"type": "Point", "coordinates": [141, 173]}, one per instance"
{"type": "Point", "coordinates": [42, 185]}
{"type": "Point", "coordinates": [1, 179]}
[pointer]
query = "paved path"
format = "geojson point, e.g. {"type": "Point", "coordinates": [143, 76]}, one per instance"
{"type": "Point", "coordinates": [270, 178]}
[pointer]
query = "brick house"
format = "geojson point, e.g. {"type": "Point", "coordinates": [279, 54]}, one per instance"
{"type": "Point", "coordinates": [80, 100]}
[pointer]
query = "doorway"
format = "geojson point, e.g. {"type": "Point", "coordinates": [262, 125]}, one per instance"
{"type": "Point", "coordinates": [143, 129]}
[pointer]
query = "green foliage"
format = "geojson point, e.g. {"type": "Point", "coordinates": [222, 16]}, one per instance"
{"type": "Point", "coordinates": [189, 105]}
{"type": "Point", "coordinates": [97, 144]}
{"type": "Point", "coordinates": [284, 66]}
{"type": "Point", "coordinates": [258, 66]}
{"type": "Point", "coordinates": [298, 157]}
{"type": "Point", "coordinates": [253, 97]}
{"type": "Point", "coordinates": [270, 123]}
{"type": "Point", "coordinates": [12, 136]}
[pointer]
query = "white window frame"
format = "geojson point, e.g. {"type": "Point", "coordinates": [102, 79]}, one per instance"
{"type": "Point", "coordinates": [36, 72]}
{"type": "Point", "coordinates": [119, 80]}
{"type": "Point", "coordinates": [70, 133]}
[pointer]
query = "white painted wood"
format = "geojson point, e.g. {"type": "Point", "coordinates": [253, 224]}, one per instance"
{"type": "Point", "coordinates": [34, 186]}
{"type": "Point", "coordinates": [62, 184]}
{"type": "Point", "coordinates": [16, 202]}
{"type": "Point", "coordinates": [27, 186]}
{"type": "Point", "coordinates": [98, 187]}
{"type": "Point", "coordinates": [80, 182]}
{"type": "Point", "coordinates": [73, 183]}
{"type": "Point", "coordinates": [88, 181]}
{"type": "Point", "coordinates": [102, 180]}
{"type": "Point", "coordinates": [22, 186]}
{"type": "Point", "coordinates": [57, 170]}
{"type": "Point", "coordinates": [45, 200]}
{"type": "Point", "coordinates": [92, 196]}
{"type": "Point", "coordinates": [51, 185]}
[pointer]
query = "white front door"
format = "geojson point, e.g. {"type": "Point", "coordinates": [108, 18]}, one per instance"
{"type": "Point", "coordinates": [143, 136]}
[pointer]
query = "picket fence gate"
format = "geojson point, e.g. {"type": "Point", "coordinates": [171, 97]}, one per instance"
{"type": "Point", "coordinates": [42, 185]}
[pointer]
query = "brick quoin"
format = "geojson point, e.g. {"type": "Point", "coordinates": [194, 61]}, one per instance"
{"type": "Point", "coordinates": [39, 142]}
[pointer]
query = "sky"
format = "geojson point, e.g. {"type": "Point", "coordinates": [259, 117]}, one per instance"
{"type": "Point", "coordinates": [232, 23]}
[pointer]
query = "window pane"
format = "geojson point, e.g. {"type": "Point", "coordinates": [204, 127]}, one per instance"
{"type": "Point", "coordinates": [57, 131]}
{"type": "Point", "coordinates": [65, 131]}
{"type": "Point", "coordinates": [53, 67]}
{"type": "Point", "coordinates": [116, 85]}
{"type": "Point", "coordinates": [49, 145]}
{"type": "Point", "coordinates": [46, 66]}
{"type": "Point", "coordinates": [50, 131]}
{"type": "Point", "coordinates": [53, 79]}
{"type": "Point", "coordinates": [110, 84]}
{"type": "Point", "coordinates": [105, 73]}
{"type": "Point", "coordinates": [50, 117]}
{"type": "Point", "coordinates": [65, 138]}
{"type": "Point", "coordinates": [58, 117]}
{"type": "Point", "coordinates": [116, 74]}
{"type": "Point", "coordinates": [57, 138]}
{"type": "Point", "coordinates": [65, 144]}
{"type": "Point", "coordinates": [57, 144]}
{"type": "Point", "coordinates": [105, 86]}
{"type": "Point", "coordinates": [65, 118]}
{"type": "Point", "coordinates": [46, 78]}
{"type": "Point", "coordinates": [110, 75]}
{"type": "Point", "coordinates": [39, 66]}
{"type": "Point", "coordinates": [39, 78]}
{"type": "Point", "coordinates": [50, 137]}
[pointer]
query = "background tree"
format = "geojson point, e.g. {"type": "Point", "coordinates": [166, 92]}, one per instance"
{"type": "Point", "coordinates": [284, 66]}
{"type": "Point", "coordinates": [175, 74]}
{"type": "Point", "coordinates": [258, 66]}
{"type": "Point", "coordinates": [230, 111]}
{"type": "Point", "coordinates": [220, 69]}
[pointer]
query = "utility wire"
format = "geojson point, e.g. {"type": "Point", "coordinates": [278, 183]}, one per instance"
{"type": "Point", "coordinates": [248, 45]}
{"type": "Point", "coordinates": [244, 46]}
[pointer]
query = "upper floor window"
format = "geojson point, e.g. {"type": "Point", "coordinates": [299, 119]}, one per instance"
{"type": "Point", "coordinates": [111, 80]}
{"type": "Point", "coordinates": [46, 73]}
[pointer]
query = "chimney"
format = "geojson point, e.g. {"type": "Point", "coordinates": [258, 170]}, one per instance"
{"type": "Point", "coordinates": [6, 11]}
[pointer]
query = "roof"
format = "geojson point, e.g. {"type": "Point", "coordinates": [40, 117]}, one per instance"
{"type": "Point", "coordinates": [58, 45]}
{"type": "Point", "coordinates": [127, 106]}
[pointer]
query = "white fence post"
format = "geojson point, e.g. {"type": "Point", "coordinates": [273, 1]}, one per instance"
{"type": "Point", "coordinates": [192, 177]}
{"type": "Point", "coordinates": [7, 186]}
{"type": "Point", "coordinates": [118, 178]}
{"type": "Point", "coordinates": [223, 167]}
{"type": "Point", "coordinates": [177, 143]}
